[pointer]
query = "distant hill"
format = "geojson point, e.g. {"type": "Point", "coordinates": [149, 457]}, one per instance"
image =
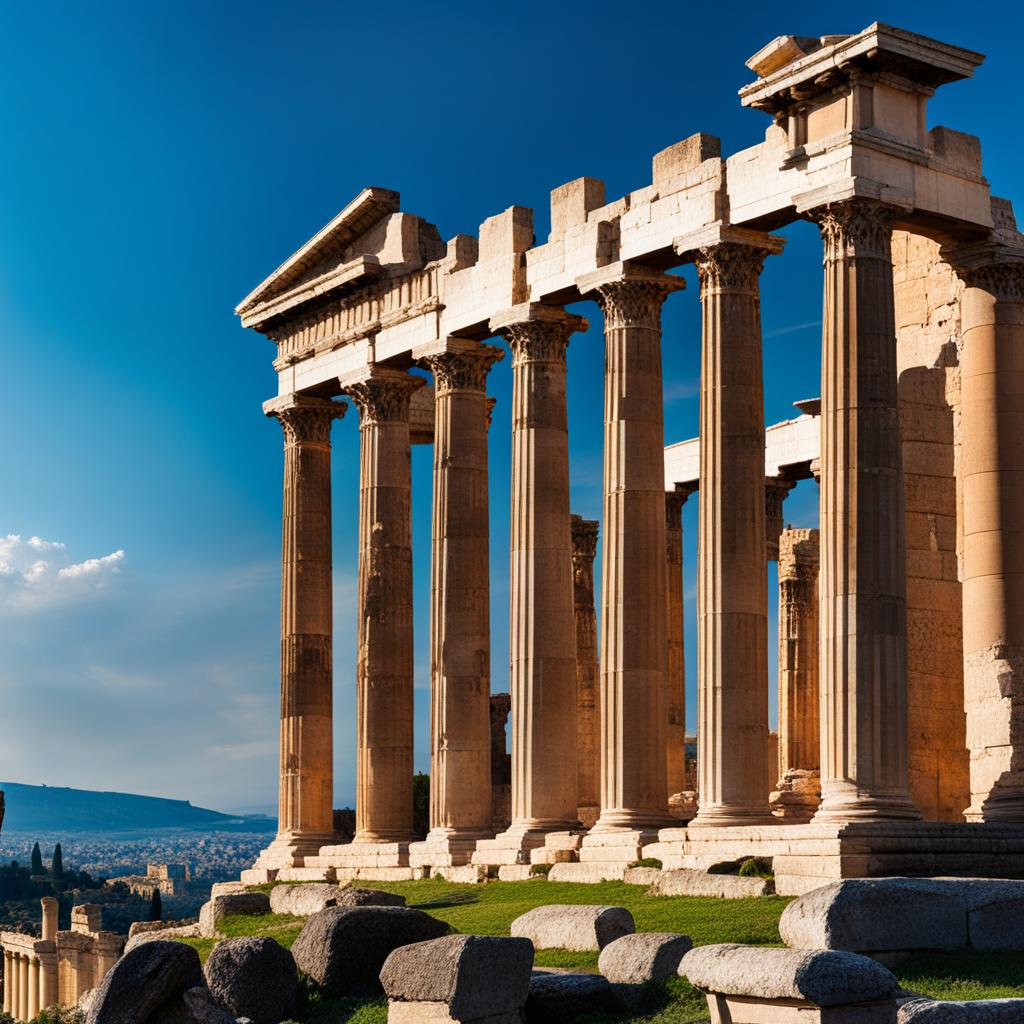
{"type": "Point", "coordinates": [57, 809]}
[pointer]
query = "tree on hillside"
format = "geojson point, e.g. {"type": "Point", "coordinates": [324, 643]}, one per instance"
{"type": "Point", "coordinates": [57, 869]}
{"type": "Point", "coordinates": [37, 861]}
{"type": "Point", "coordinates": [156, 906]}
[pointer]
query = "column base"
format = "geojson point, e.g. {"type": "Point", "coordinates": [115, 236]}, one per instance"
{"type": "Point", "coordinates": [444, 848]}
{"type": "Point", "coordinates": [733, 816]}
{"type": "Point", "coordinates": [515, 845]}
{"type": "Point", "coordinates": [1004, 802]}
{"type": "Point", "coordinates": [797, 796]}
{"type": "Point", "coordinates": [288, 850]}
{"type": "Point", "coordinates": [355, 856]}
{"type": "Point", "coordinates": [616, 846]}
{"type": "Point", "coordinates": [844, 802]}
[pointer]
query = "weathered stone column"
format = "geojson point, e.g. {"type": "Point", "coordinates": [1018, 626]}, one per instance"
{"type": "Point", "coordinates": [732, 593]}
{"type": "Point", "coordinates": [588, 702]}
{"type": "Point", "coordinates": [8, 981]}
{"type": "Point", "coordinates": [48, 990]}
{"type": "Point", "coordinates": [384, 678]}
{"type": "Point", "coordinates": [460, 625]}
{"type": "Point", "coordinates": [50, 907]}
{"type": "Point", "coordinates": [675, 757]}
{"type": "Point", "coordinates": [992, 410]}
{"type": "Point", "coordinates": [542, 636]}
{"type": "Point", "coordinates": [33, 988]}
{"type": "Point", "coordinates": [305, 813]}
{"type": "Point", "coordinates": [23, 1013]}
{"type": "Point", "coordinates": [864, 766]}
{"type": "Point", "coordinates": [798, 791]}
{"type": "Point", "coordinates": [775, 490]}
{"type": "Point", "coordinates": [634, 605]}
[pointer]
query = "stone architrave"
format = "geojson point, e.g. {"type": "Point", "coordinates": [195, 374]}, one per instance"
{"type": "Point", "coordinates": [460, 625]}
{"type": "Point", "coordinates": [634, 612]}
{"type": "Point", "coordinates": [864, 760]}
{"type": "Point", "coordinates": [305, 813]}
{"type": "Point", "coordinates": [798, 791]}
{"type": "Point", "coordinates": [992, 410]}
{"type": "Point", "coordinates": [732, 591]}
{"type": "Point", "coordinates": [675, 753]}
{"type": "Point", "coordinates": [384, 676]}
{"type": "Point", "coordinates": [542, 636]}
{"type": "Point", "coordinates": [588, 694]}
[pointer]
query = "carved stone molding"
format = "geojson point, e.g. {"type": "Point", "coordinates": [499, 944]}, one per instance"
{"type": "Point", "coordinates": [464, 369]}
{"type": "Point", "coordinates": [630, 302]}
{"type": "Point", "coordinates": [538, 341]}
{"type": "Point", "coordinates": [856, 229]}
{"type": "Point", "coordinates": [306, 420]}
{"type": "Point", "coordinates": [1004, 281]}
{"type": "Point", "coordinates": [384, 396]}
{"type": "Point", "coordinates": [730, 266]}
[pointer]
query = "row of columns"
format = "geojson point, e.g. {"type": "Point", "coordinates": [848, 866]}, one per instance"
{"type": "Point", "coordinates": [30, 978]}
{"type": "Point", "coordinates": [639, 699]}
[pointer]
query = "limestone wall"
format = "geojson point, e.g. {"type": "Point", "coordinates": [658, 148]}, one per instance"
{"type": "Point", "coordinates": [927, 299]}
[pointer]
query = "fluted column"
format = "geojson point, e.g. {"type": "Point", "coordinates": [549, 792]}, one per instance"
{"type": "Point", "coordinates": [634, 603]}
{"type": "Point", "coordinates": [992, 411]}
{"type": "Point", "coordinates": [50, 909]}
{"type": "Point", "coordinates": [23, 987]}
{"type": "Point", "coordinates": [864, 761]}
{"type": "Point", "coordinates": [675, 757]}
{"type": "Point", "coordinates": [460, 646]}
{"type": "Point", "coordinates": [305, 813]}
{"type": "Point", "coordinates": [588, 697]}
{"type": "Point", "coordinates": [8, 981]}
{"type": "Point", "coordinates": [798, 791]}
{"type": "Point", "coordinates": [48, 990]}
{"type": "Point", "coordinates": [775, 490]}
{"type": "Point", "coordinates": [732, 594]}
{"type": "Point", "coordinates": [33, 987]}
{"type": "Point", "coordinates": [384, 674]}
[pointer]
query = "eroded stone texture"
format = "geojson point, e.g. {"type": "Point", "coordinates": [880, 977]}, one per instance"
{"type": "Point", "coordinates": [675, 681]}
{"type": "Point", "coordinates": [588, 693]}
{"type": "Point", "coordinates": [643, 957]}
{"type": "Point", "coordinates": [575, 927]}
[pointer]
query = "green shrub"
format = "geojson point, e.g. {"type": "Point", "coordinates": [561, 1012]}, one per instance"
{"type": "Point", "coordinates": [756, 867]}
{"type": "Point", "coordinates": [647, 862]}
{"type": "Point", "coordinates": [537, 870]}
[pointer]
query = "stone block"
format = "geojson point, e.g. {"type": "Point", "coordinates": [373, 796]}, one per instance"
{"type": "Point", "coordinates": [357, 896]}
{"type": "Point", "coordinates": [687, 882]}
{"type": "Point", "coordinates": [253, 977]}
{"type": "Point", "coordinates": [506, 233]}
{"type": "Point", "coordinates": [641, 876]}
{"type": "Point", "coordinates": [995, 913]}
{"type": "Point", "coordinates": [684, 156]}
{"type": "Point", "coordinates": [557, 998]}
{"type": "Point", "coordinates": [593, 872]}
{"type": "Point", "coordinates": [571, 202]}
{"type": "Point", "coordinates": [515, 873]}
{"type": "Point", "coordinates": [303, 900]}
{"type": "Point", "coordinates": [476, 977]}
{"type": "Point", "coordinates": [573, 927]}
{"type": "Point", "coordinates": [464, 874]}
{"type": "Point", "coordinates": [219, 907]}
{"type": "Point", "coordinates": [977, 1011]}
{"type": "Point", "coordinates": [643, 957]}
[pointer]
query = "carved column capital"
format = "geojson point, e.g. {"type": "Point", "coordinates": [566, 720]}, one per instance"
{"type": "Point", "coordinates": [584, 541]}
{"type": "Point", "coordinates": [630, 296]}
{"type": "Point", "coordinates": [674, 502]}
{"type": "Point", "coordinates": [993, 267]}
{"type": "Point", "coordinates": [729, 266]}
{"type": "Point", "coordinates": [383, 397]}
{"type": "Point", "coordinates": [856, 228]}
{"type": "Point", "coordinates": [798, 555]}
{"type": "Point", "coordinates": [537, 333]}
{"type": "Point", "coordinates": [304, 419]}
{"type": "Point", "coordinates": [463, 369]}
{"type": "Point", "coordinates": [775, 490]}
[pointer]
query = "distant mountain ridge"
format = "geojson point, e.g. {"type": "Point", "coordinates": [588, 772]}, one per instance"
{"type": "Point", "coordinates": [57, 808]}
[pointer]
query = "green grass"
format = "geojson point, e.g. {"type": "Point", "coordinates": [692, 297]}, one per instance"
{"type": "Point", "coordinates": [490, 909]}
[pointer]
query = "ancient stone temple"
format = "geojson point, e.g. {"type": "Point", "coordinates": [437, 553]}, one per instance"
{"type": "Point", "coordinates": [901, 733]}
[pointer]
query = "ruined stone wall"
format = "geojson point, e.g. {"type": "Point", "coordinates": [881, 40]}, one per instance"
{"type": "Point", "coordinates": [927, 298]}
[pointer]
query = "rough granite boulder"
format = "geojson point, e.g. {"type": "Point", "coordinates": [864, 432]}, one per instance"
{"type": "Point", "coordinates": [193, 1006]}
{"type": "Point", "coordinates": [220, 907]}
{"type": "Point", "coordinates": [357, 897]}
{"type": "Point", "coordinates": [303, 900]}
{"type": "Point", "coordinates": [144, 979]}
{"type": "Point", "coordinates": [344, 948]}
{"type": "Point", "coordinates": [475, 976]}
{"type": "Point", "coordinates": [557, 998]}
{"type": "Point", "coordinates": [825, 977]}
{"type": "Point", "coordinates": [253, 977]}
{"type": "Point", "coordinates": [874, 915]}
{"type": "Point", "coordinates": [981, 1011]}
{"type": "Point", "coordinates": [995, 912]}
{"type": "Point", "coordinates": [576, 928]}
{"type": "Point", "coordinates": [643, 957]}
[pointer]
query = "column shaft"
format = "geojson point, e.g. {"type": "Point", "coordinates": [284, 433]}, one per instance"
{"type": "Point", "coordinates": [33, 988]}
{"type": "Point", "coordinates": [23, 987]}
{"type": "Point", "coordinates": [8, 981]}
{"type": "Point", "coordinates": [384, 673]}
{"type": "Point", "coordinates": [48, 995]}
{"type": "Point", "coordinates": [732, 593]}
{"type": "Point", "coordinates": [588, 702]}
{"type": "Point", "coordinates": [864, 770]}
{"type": "Point", "coordinates": [675, 758]}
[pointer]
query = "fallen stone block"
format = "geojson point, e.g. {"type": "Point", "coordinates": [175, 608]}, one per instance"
{"type": "Point", "coordinates": [572, 927]}
{"type": "Point", "coordinates": [219, 907]}
{"type": "Point", "coordinates": [689, 882]}
{"type": "Point", "coordinates": [193, 1006]}
{"type": "Point", "coordinates": [557, 998]}
{"type": "Point", "coordinates": [185, 931]}
{"type": "Point", "coordinates": [995, 913]}
{"type": "Point", "coordinates": [344, 948]}
{"type": "Point", "coordinates": [589, 873]}
{"type": "Point", "coordinates": [874, 915]}
{"type": "Point", "coordinates": [752, 985]}
{"type": "Point", "coordinates": [144, 979]}
{"type": "Point", "coordinates": [641, 876]}
{"type": "Point", "coordinates": [302, 900]}
{"type": "Point", "coordinates": [253, 977]}
{"type": "Point", "coordinates": [643, 957]}
{"type": "Point", "coordinates": [979, 1011]}
{"type": "Point", "coordinates": [464, 978]}
{"type": "Point", "coordinates": [355, 896]}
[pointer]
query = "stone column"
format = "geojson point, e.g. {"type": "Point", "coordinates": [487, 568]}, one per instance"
{"type": "Point", "coordinates": [675, 759]}
{"type": "Point", "coordinates": [8, 981]}
{"type": "Point", "coordinates": [992, 410]}
{"type": "Point", "coordinates": [775, 490]}
{"type": "Point", "coordinates": [798, 791]}
{"type": "Point", "coordinates": [49, 929]}
{"type": "Point", "coordinates": [384, 677]}
{"type": "Point", "coordinates": [305, 814]}
{"type": "Point", "coordinates": [588, 702]}
{"type": "Point", "coordinates": [634, 604]}
{"type": "Point", "coordinates": [48, 993]}
{"type": "Point", "coordinates": [501, 763]}
{"type": "Point", "coordinates": [732, 594]}
{"type": "Point", "coordinates": [542, 639]}
{"type": "Point", "coordinates": [460, 625]}
{"type": "Point", "coordinates": [23, 987]}
{"type": "Point", "coordinates": [864, 763]}
{"type": "Point", "coordinates": [33, 988]}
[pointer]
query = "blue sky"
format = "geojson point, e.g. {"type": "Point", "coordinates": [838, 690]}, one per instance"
{"type": "Point", "coordinates": [159, 160]}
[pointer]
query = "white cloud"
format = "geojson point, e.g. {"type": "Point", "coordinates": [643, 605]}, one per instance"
{"type": "Point", "coordinates": [28, 581]}
{"type": "Point", "coordinates": [35, 572]}
{"type": "Point", "coordinates": [91, 566]}
{"type": "Point", "coordinates": [38, 544]}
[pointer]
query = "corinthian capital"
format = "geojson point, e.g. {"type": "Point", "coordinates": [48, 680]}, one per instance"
{"type": "Point", "coordinates": [584, 540]}
{"type": "Point", "coordinates": [992, 266]}
{"type": "Point", "coordinates": [630, 295]}
{"type": "Point", "coordinates": [729, 267]}
{"type": "Point", "coordinates": [383, 396]}
{"type": "Point", "coordinates": [304, 419]}
{"type": "Point", "coordinates": [537, 333]}
{"type": "Point", "coordinates": [856, 228]}
{"type": "Point", "coordinates": [463, 368]}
